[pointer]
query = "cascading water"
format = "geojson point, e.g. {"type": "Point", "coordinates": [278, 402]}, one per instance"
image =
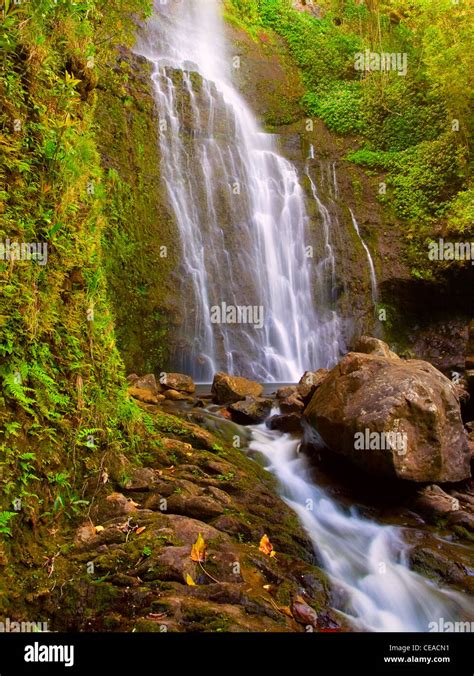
{"type": "Point", "coordinates": [240, 211]}
{"type": "Point", "coordinates": [241, 214]}
{"type": "Point", "coordinates": [373, 276]}
{"type": "Point", "coordinates": [365, 560]}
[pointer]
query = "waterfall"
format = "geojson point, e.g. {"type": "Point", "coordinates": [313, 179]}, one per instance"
{"type": "Point", "coordinates": [373, 276]}
{"type": "Point", "coordinates": [256, 299]}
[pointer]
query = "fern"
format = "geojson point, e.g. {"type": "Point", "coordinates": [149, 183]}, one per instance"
{"type": "Point", "coordinates": [15, 389]}
{"type": "Point", "coordinates": [5, 518]}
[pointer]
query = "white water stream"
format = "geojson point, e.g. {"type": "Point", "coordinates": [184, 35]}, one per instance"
{"type": "Point", "coordinates": [367, 560]}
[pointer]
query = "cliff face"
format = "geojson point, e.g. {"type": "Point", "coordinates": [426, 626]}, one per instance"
{"type": "Point", "coordinates": [141, 242]}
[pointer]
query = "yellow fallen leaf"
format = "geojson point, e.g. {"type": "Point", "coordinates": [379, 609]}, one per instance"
{"type": "Point", "coordinates": [266, 546]}
{"type": "Point", "coordinates": [190, 581]}
{"type": "Point", "coordinates": [140, 530]}
{"type": "Point", "coordinates": [99, 529]}
{"type": "Point", "coordinates": [286, 610]}
{"type": "Point", "coordinates": [198, 550]}
{"type": "Point", "coordinates": [273, 553]}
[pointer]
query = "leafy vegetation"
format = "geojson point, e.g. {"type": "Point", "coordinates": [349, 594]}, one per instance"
{"type": "Point", "coordinates": [63, 400]}
{"type": "Point", "coordinates": [415, 128]}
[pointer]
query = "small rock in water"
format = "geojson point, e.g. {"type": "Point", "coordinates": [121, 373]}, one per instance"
{"type": "Point", "coordinates": [228, 389]}
{"type": "Point", "coordinates": [293, 404]}
{"type": "Point", "coordinates": [251, 410]}
{"type": "Point", "coordinates": [292, 422]}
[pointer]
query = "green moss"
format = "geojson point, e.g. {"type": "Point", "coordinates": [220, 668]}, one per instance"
{"type": "Point", "coordinates": [141, 239]}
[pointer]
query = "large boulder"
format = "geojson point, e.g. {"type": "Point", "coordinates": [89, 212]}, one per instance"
{"type": "Point", "coordinates": [370, 345]}
{"type": "Point", "coordinates": [228, 389]}
{"type": "Point", "coordinates": [392, 418]}
{"type": "Point", "coordinates": [309, 383]}
{"type": "Point", "coordinates": [251, 411]}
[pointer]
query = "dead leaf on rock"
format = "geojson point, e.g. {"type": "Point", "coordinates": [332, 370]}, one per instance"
{"type": "Point", "coordinates": [190, 581]}
{"type": "Point", "coordinates": [266, 546]}
{"type": "Point", "coordinates": [198, 550]}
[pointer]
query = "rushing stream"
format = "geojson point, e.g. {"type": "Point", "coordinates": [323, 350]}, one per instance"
{"type": "Point", "coordinates": [243, 223]}
{"type": "Point", "coordinates": [366, 560]}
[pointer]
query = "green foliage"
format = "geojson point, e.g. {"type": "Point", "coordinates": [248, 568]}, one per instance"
{"type": "Point", "coordinates": [338, 106]}
{"type": "Point", "coordinates": [60, 372]}
{"type": "Point", "coordinates": [5, 518]}
{"type": "Point", "coordinates": [415, 128]}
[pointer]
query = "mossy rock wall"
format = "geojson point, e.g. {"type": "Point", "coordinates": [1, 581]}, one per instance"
{"type": "Point", "coordinates": [141, 244]}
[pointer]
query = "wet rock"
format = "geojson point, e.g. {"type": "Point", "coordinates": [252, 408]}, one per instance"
{"type": "Point", "coordinates": [303, 613]}
{"type": "Point", "coordinates": [432, 500]}
{"type": "Point", "coordinates": [309, 383]}
{"type": "Point", "coordinates": [178, 382]}
{"type": "Point", "coordinates": [85, 534]}
{"type": "Point", "coordinates": [176, 563]}
{"type": "Point", "coordinates": [221, 496]}
{"type": "Point", "coordinates": [313, 378]}
{"type": "Point", "coordinates": [440, 565]}
{"type": "Point", "coordinates": [367, 393]}
{"type": "Point", "coordinates": [142, 479]}
{"type": "Point", "coordinates": [462, 392]}
{"type": "Point", "coordinates": [293, 404]}
{"type": "Point", "coordinates": [187, 529]}
{"type": "Point", "coordinates": [174, 395]}
{"type": "Point", "coordinates": [251, 410]}
{"type": "Point", "coordinates": [148, 382]}
{"type": "Point", "coordinates": [462, 518]}
{"type": "Point", "coordinates": [114, 505]}
{"type": "Point", "coordinates": [176, 446]}
{"type": "Point", "coordinates": [229, 389]}
{"type": "Point", "coordinates": [285, 392]}
{"type": "Point", "coordinates": [291, 422]}
{"type": "Point", "coordinates": [202, 507]}
{"type": "Point", "coordinates": [233, 525]}
{"type": "Point", "coordinates": [369, 345]}
{"type": "Point", "coordinates": [145, 396]}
